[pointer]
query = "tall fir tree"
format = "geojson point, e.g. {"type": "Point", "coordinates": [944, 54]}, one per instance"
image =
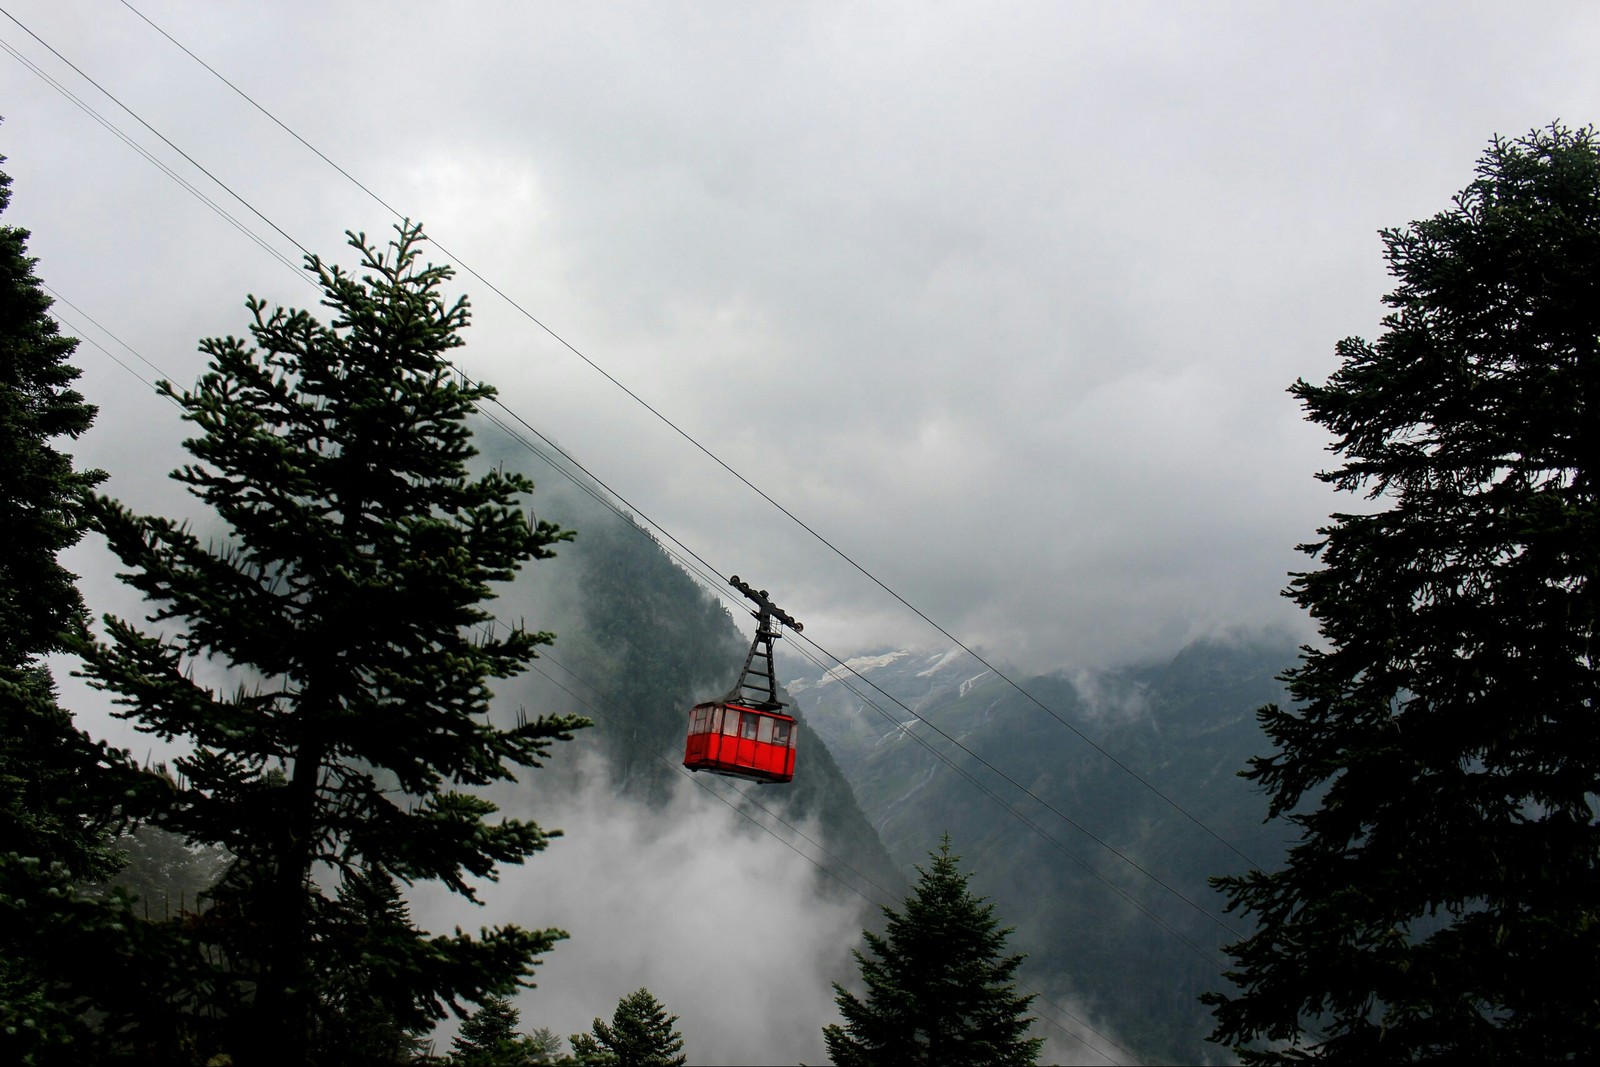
{"type": "Point", "coordinates": [939, 989]}
{"type": "Point", "coordinates": [640, 1034]}
{"type": "Point", "coordinates": [1440, 765]}
{"type": "Point", "coordinates": [344, 598]}
{"type": "Point", "coordinates": [62, 794]}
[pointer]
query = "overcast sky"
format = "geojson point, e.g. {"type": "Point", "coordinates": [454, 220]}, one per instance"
{"type": "Point", "coordinates": [1002, 299]}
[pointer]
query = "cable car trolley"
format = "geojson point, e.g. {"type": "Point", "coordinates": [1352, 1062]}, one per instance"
{"type": "Point", "coordinates": [746, 734]}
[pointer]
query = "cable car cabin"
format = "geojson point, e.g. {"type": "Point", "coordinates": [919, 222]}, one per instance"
{"type": "Point", "coordinates": [741, 742]}
{"type": "Point", "coordinates": [745, 735]}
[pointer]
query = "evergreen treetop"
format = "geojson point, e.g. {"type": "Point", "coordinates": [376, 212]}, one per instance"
{"type": "Point", "coordinates": [640, 1034]}
{"type": "Point", "coordinates": [489, 1038]}
{"type": "Point", "coordinates": [1441, 760]}
{"type": "Point", "coordinates": [939, 989]}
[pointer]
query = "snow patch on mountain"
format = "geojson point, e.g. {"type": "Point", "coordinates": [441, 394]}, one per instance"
{"type": "Point", "coordinates": [855, 665]}
{"type": "Point", "coordinates": [970, 682]}
{"type": "Point", "coordinates": [939, 661]}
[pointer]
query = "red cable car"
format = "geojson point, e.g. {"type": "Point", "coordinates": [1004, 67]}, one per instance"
{"type": "Point", "coordinates": [746, 734]}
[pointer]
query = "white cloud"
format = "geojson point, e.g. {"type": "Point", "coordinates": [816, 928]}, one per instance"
{"type": "Point", "coordinates": [723, 922]}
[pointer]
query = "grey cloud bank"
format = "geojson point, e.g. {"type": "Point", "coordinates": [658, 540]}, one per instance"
{"type": "Point", "coordinates": [1000, 299]}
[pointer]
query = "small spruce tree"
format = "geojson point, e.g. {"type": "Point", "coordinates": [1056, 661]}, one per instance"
{"type": "Point", "coordinates": [368, 1011]}
{"type": "Point", "coordinates": [939, 990]}
{"type": "Point", "coordinates": [489, 1038]}
{"type": "Point", "coordinates": [641, 1034]}
{"type": "Point", "coordinates": [544, 1046]}
{"type": "Point", "coordinates": [344, 597]}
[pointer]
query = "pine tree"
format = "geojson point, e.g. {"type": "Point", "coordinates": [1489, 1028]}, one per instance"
{"type": "Point", "coordinates": [938, 989]}
{"type": "Point", "coordinates": [489, 1038]}
{"type": "Point", "coordinates": [343, 599]}
{"type": "Point", "coordinates": [40, 515]}
{"type": "Point", "coordinates": [544, 1046]}
{"type": "Point", "coordinates": [62, 795]}
{"type": "Point", "coordinates": [641, 1034]}
{"type": "Point", "coordinates": [1440, 765]}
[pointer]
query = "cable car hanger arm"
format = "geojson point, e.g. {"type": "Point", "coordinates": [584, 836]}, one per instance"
{"type": "Point", "coordinates": [758, 687]}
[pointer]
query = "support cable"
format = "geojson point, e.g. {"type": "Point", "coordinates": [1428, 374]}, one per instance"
{"type": "Point", "coordinates": [715, 581]}
{"type": "Point", "coordinates": [149, 156]}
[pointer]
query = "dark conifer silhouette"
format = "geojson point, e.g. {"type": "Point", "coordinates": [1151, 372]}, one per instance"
{"type": "Point", "coordinates": [62, 795]}
{"type": "Point", "coordinates": [939, 988]}
{"type": "Point", "coordinates": [345, 588]}
{"type": "Point", "coordinates": [489, 1038]}
{"type": "Point", "coordinates": [640, 1034]}
{"type": "Point", "coordinates": [1440, 763]}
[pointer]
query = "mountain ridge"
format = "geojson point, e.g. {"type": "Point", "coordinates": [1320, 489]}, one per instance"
{"type": "Point", "coordinates": [1103, 931]}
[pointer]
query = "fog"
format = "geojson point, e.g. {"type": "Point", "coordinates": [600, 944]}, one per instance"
{"type": "Point", "coordinates": [725, 923]}
{"type": "Point", "coordinates": [731, 927]}
{"type": "Point", "coordinates": [1000, 299]}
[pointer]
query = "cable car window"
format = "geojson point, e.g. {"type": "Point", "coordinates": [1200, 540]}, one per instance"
{"type": "Point", "coordinates": [730, 722]}
{"type": "Point", "coordinates": [780, 733]}
{"type": "Point", "coordinates": [699, 720]}
{"type": "Point", "coordinates": [764, 731]}
{"type": "Point", "coordinates": [747, 725]}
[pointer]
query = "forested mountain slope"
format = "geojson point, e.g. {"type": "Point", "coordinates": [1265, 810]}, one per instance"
{"type": "Point", "coordinates": [639, 642]}
{"type": "Point", "coordinates": [1186, 726]}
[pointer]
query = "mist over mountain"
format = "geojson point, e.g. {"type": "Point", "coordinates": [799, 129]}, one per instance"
{"type": "Point", "coordinates": [736, 904]}
{"type": "Point", "coordinates": [998, 304]}
{"type": "Point", "coordinates": [1105, 938]}
{"type": "Point", "coordinates": [651, 847]}
{"type": "Point", "coordinates": [640, 642]}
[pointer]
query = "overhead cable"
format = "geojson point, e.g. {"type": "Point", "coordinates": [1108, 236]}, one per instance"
{"type": "Point", "coordinates": [720, 580]}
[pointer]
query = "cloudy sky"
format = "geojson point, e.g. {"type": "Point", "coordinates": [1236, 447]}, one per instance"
{"type": "Point", "coordinates": [1000, 298]}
